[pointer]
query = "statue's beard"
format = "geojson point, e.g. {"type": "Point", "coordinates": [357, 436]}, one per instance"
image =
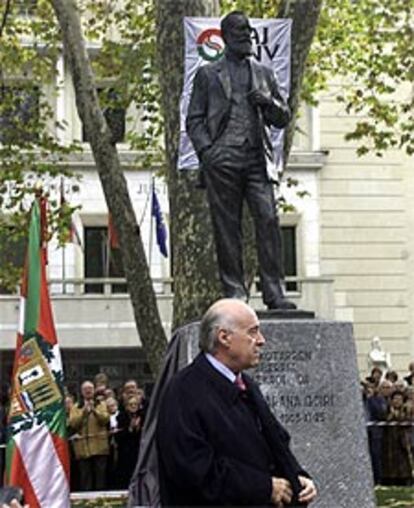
{"type": "Point", "coordinates": [241, 48]}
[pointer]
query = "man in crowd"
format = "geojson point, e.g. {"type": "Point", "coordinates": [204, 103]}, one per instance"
{"type": "Point", "coordinates": [89, 419]}
{"type": "Point", "coordinates": [233, 104]}
{"type": "Point", "coordinates": [218, 442]}
{"type": "Point", "coordinates": [386, 389]}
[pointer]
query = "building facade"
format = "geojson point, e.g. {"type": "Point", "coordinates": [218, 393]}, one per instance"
{"type": "Point", "coordinates": [349, 248]}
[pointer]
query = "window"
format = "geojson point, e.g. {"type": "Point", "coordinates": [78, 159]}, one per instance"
{"type": "Point", "coordinates": [19, 113]}
{"type": "Point", "coordinates": [102, 261]}
{"type": "Point", "coordinates": [307, 131]}
{"type": "Point", "coordinates": [114, 115]}
{"type": "Point", "coordinates": [289, 255]}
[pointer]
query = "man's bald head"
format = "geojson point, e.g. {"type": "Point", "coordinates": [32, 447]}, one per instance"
{"type": "Point", "coordinates": [225, 313]}
{"type": "Point", "coordinates": [230, 331]}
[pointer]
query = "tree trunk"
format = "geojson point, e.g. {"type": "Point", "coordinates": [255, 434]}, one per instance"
{"type": "Point", "coordinates": [113, 181]}
{"type": "Point", "coordinates": [194, 261]}
{"type": "Point", "coordinates": [305, 17]}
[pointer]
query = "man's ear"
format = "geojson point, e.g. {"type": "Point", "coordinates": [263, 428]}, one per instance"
{"type": "Point", "coordinates": [224, 338]}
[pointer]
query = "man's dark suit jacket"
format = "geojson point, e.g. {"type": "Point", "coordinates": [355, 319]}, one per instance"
{"type": "Point", "coordinates": [210, 104]}
{"type": "Point", "coordinates": [213, 451]}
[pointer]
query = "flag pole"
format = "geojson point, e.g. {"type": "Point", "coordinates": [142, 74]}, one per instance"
{"type": "Point", "coordinates": [64, 268]}
{"type": "Point", "coordinates": [107, 253]}
{"type": "Point", "coordinates": [62, 201]}
{"type": "Point", "coordinates": [151, 225]}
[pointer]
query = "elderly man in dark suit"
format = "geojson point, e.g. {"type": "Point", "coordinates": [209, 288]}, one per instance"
{"type": "Point", "coordinates": [218, 442]}
{"type": "Point", "coordinates": [233, 104]}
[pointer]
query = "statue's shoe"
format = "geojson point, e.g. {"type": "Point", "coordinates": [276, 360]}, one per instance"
{"type": "Point", "coordinates": [281, 303]}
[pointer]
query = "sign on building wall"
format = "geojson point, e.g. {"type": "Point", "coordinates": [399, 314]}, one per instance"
{"type": "Point", "coordinates": [204, 44]}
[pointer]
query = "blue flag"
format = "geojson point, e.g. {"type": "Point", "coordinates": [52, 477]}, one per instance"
{"type": "Point", "coordinates": [161, 230]}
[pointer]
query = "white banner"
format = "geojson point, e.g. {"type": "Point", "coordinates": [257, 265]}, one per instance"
{"type": "Point", "coordinates": [203, 44]}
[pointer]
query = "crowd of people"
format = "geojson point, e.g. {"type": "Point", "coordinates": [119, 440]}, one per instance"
{"type": "Point", "coordinates": [104, 428]}
{"type": "Point", "coordinates": [389, 410]}
{"type": "Point", "coordinates": [104, 433]}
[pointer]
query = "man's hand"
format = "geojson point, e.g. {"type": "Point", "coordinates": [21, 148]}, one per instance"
{"type": "Point", "coordinates": [88, 406]}
{"type": "Point", "coordinates": [281, 492]}
{"type": "Point", "coordinates": [308, 492]}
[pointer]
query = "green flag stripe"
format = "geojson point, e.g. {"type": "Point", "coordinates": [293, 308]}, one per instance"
{"type": "Point", "coordinates": [9, 454]}
{"type": "Point", "coordinates": [33, 272]}
{"type": "Point", "coordinates": [57, 425]}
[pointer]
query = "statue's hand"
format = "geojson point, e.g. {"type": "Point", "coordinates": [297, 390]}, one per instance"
{"type": "Point", "coordinates": [209, 156]}
{"type": "Point", "coordinates": [258, 98]}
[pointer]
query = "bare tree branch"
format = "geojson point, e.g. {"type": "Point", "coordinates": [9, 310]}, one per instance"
{"type": "Point", "coordinates": [6, 13]}
{"type": "Point", "coordinates": [114, 185]}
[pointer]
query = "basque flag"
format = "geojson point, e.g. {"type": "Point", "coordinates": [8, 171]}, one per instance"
{"type": "Point", "coordinates": [37, 455]}
{"type": "Point", "coordinates": [161, 230]}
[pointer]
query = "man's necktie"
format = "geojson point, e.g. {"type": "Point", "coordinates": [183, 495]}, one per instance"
{"type": "Point", "coordinates": [240, 383]}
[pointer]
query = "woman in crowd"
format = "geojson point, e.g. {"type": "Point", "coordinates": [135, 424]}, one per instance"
{"type": "Point", "coordinates": [130, 421]}
{"type": "Point", "coordinates": [391, 376]}
{"type": "Point", "coordinates": [375, 377]}
{"type": "Point", "coordinates": [396, 459]}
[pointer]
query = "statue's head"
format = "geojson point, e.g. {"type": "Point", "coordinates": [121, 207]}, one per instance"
{"type": "Point", "coordinates": [376, 343]}
{"type": "Point", "coordinates": [236, 32]}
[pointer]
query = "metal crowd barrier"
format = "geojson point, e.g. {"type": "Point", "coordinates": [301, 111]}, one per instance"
{"type": "Point", "coordinates": [101, 494]}
{"type": "Point", "coordinates": [381, 423]}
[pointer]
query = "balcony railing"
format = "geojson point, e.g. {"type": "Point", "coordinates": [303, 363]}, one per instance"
{"type": "Point", "coordinates": [93, 286]}
{"type": "Point", "coordinates": [308, 290]}
{"type": "Point", "coordinates": [106, 318]}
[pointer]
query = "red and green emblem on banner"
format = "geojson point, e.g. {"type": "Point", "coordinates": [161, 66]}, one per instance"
{"type": "Point", "coordinates": [37, 457]}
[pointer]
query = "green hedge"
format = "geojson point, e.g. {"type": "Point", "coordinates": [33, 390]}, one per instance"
{"type": "Point", "coordinates": [100, 502]}
{"type": "Point", "coordinates": [395, 497]}
{"type": "Point", "coordinates": [387, 497]}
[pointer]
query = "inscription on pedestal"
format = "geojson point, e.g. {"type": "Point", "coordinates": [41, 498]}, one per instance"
{"type": "Point", "coordinates": [291, 369]}
{"type": "Point", "coordinates": [308, 375]}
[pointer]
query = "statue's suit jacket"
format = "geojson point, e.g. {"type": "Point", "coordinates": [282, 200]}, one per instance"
{"type": "Point", "coordinates": [213, 449]}
{"type": "Point", "coordinates": [210, 104]}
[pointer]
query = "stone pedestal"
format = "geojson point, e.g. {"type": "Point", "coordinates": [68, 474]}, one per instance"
{"type": "Point", "coordinates": [285, 314]}
{"type": "Point", "coordinates": [309, 376]}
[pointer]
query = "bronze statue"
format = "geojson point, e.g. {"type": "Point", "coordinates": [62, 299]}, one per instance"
{"type": "Point", "coordinates": [232, 105]}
